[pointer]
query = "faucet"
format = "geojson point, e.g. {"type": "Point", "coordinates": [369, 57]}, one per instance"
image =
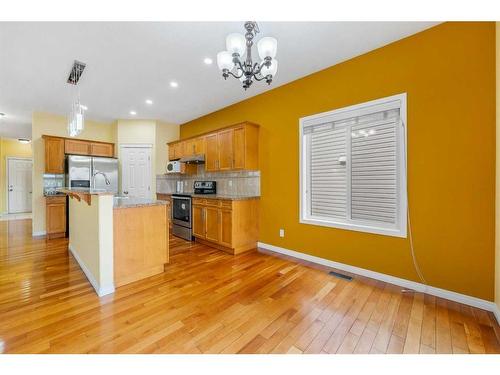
{"type": "Point", "coordinates": [106, 179]}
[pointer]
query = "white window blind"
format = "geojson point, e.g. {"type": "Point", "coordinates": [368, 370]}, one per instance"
{"type": "Point", "coordinates": [353, 167]}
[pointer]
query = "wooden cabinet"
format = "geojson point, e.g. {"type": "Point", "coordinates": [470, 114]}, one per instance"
{"type": "Point", "coordinates": [232, 148]}
{"type": "Point", "coordinates": [198, 221]}
{"type": "Point", "coordinates": [57, 147]}
{"type": "Point", "coordinates": [102, 149]}
{"type": "Point", "coordinates": [226, 225]}
{"type": "Point", "coordinates": [55, 216]}
{"type": "Point", "coordinates": [231, 226]}
{"type": "Point", "coordinates": [211, 153]}
{"type": "Point", "coordinates": [212, 224]}
{"type": "Point", "coordinates": [175, 150]}
{"type": "Point", "coordinates": [225, 148]}
{"type": "Point", "coordinates": [54, 154]}
{"type": "Point", "coordinates": [194, 146]}
{"type": "Point", "coordinates": [76, 147]}
{"type": "Point", "coordinates": [239, 148]}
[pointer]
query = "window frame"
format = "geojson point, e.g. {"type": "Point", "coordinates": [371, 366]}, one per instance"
{"type": "Point", "coordinates": [400, 230]}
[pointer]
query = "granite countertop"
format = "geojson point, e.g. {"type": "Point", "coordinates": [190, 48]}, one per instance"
{"type": "Point", "coordinates": [90, 191]}
{"type": "Point", "coordinates": [125, 202]}
{"type": "Point", "coordinates": [231, 197]}
{"type": "Point", "coordinates": [225, 196]}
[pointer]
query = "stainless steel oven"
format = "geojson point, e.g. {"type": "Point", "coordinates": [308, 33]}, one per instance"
{"type": "Point", "coordinates": [182, 216]}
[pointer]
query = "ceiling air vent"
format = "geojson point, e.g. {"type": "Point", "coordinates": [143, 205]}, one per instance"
{"type": "Point", "coordinates": [76, 72]}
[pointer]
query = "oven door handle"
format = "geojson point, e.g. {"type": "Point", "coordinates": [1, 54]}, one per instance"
{"type": "Point", "coordinates": [184, 198]}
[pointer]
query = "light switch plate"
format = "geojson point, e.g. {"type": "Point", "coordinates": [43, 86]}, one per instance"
{"type": "Point", "coordinates": [282, 233]}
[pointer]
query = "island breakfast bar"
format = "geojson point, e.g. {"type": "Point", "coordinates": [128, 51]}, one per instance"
{"type": "Point", "coordinates": [116, 240]}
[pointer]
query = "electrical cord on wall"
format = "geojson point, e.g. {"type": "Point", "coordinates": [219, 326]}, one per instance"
{"type": "Point", "coordinates": [412, 250]}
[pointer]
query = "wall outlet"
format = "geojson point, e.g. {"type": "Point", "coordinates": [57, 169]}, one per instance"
{"type": "Point", "coordinates": [282, 233]}
{"type": "Point", "coordinates": [230, 183]}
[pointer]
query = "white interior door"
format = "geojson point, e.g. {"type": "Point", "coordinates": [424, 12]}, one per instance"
{"type": "Point", "coordinates": [136, 171]}
{"type": "Point", "coordinates": [19, 186]}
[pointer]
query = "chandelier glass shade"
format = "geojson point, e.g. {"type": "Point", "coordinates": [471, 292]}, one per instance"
{"type": "Point", "coordinates": [237, 60]}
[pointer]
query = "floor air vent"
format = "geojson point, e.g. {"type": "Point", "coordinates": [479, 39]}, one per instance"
{"type": "Point", "coordinates": [340, 275]}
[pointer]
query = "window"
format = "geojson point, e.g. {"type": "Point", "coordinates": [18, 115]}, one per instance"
{"type": "Point", "coordinates": [353, 167]}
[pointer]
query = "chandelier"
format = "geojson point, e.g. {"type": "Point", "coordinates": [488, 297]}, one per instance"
{"type": "Point", "coordinates": [232, 61]}
{"type": "Point", "coordinates": [76, 122]}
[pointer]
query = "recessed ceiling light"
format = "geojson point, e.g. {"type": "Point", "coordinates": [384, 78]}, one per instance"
{"type": "Point", "coordinates": [149, 101]}
{"type": "Point", "coordinates": [208, 60]}
{"type": "Point", "coordinates": [174, 84]}
{"type": "Point", "coordinates": [24, 140]}
{"type": "Point", "coordinates": [133, 113]}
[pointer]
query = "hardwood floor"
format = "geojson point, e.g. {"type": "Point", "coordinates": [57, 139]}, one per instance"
{"type": "Point", "coordinates": [207, 301]}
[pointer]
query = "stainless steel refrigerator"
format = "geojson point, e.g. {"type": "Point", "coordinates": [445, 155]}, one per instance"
{"type": "Point", "coordinates": [92, 172]}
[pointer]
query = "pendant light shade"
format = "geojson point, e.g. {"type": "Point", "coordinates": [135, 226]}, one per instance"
{"type": "Point", "coordinates": [225, 60]}
{"type": "Point", "coordinates": [267, 47]}
{"type": "Point", "coordinates": [236, 43]}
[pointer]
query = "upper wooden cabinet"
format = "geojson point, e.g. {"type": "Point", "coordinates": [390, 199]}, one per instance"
{"type": "Point", "coordinates": [175, 150]}
{"type": "Point", "coordinates": [225, 147]}
{"type": "Point", "coordinates": [54, 155]}
{"type": "Point", "coordinates": [194, 146]}
{"type": "Point", "coordinates": [232, 148]}
{"type": "Point", "coordinates": [211, 153]}
{"type": "Point", "coordinates": [76, 147]}
{"type": "Point", "coordinates": [102, 149]}
{"type": "Point", "coordinates": [57, 147]}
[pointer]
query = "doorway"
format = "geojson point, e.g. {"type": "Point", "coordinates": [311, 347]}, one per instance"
{"type": "Point", "coordinates": [19, 184]}
{"type": "Point", "coordinates": [136, 170]}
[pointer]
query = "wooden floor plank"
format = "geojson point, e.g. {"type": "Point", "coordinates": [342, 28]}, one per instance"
{"type": "Point", "coordinates": [208, 301]}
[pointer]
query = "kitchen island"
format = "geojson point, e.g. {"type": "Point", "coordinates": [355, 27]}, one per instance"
{"type": "Point", "coordinates": [116, 240]}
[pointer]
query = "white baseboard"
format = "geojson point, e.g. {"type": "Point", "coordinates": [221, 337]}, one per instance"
{"type": "Point", "coordinates": [496, 312]}
{"type": "Point", "coordinates": [100, 290]}
{"type": "Point", "coordinates": [438, 292]}
{"type": "Point", "coordinates": [39, 233]}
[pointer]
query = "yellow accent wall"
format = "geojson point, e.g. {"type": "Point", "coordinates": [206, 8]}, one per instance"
{"type": "Point", "coordinates": [448, 72]}
{"type": "Point", "coordinates": [10, 148]}
{"type": "Point", "coordinates": [50, 124]}
{"type": "Point", "coordinates": [497, 213]}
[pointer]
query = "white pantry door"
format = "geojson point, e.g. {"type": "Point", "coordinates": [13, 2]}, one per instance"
{"type": "Point", "coordinates": [19, 184]}
{"type": "Point", "coordinates": [136, 171]}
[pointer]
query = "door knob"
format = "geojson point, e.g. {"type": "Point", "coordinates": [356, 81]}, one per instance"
{"type": "Point", "coordinates": [125, 192]}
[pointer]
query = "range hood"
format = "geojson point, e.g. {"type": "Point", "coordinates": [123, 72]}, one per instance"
{"type": "Point", "coordinates": [193, 159]}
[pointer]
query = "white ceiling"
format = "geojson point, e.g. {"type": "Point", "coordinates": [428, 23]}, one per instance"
{"type": "Point", "coordinates": [130, 62]}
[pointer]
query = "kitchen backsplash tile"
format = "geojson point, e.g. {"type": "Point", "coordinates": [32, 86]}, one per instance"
{"type": "Point", "coordinates": [228, 183]}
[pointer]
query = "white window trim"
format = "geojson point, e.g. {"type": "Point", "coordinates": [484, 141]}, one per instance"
{"type": "Point", "coordinates": [398, 100]}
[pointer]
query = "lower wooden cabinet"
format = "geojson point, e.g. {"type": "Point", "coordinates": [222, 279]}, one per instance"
{"type": "Point", "coordinates": [212, 224]}
{"type": "Point", "coordinates": [232, 226]}
{"type": "Point", "coordinates": [55, 216]}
